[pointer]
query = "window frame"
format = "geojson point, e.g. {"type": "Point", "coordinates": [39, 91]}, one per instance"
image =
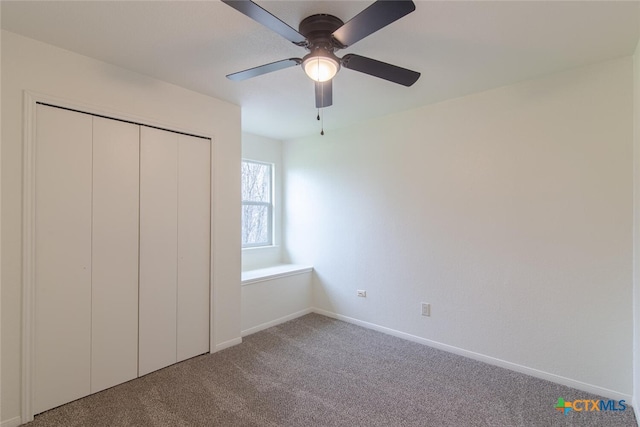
{"type": "Point", "coordinates": [269, 205]}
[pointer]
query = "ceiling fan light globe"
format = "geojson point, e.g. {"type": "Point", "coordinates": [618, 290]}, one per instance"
{"type": "Point", "coordinates": [320, 68]}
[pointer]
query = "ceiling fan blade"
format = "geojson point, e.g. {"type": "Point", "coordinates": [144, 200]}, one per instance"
{"type": "Point", "coordinates": [265, 18]}
{"type": "Point", "coordinates": [264, 69]}
{"type": "Point", "coordinates": [380, 69]}
{"type": "Point", "coordinates": [324, 94]}
{"type": "Point", "coordinates": [377, 16]}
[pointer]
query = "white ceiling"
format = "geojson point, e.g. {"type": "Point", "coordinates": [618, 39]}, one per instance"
{"type": "Point", "coordinates": [459, 47]}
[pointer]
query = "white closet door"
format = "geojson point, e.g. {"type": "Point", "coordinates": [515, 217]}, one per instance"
{"type": "Point", "coordinates": [158, 249]}
{"type": "Point", "coordinates": [194, 193]}
{"type": "Point", "coordinates": [62, 257]}
{"type": "Point", "coordinates": [114, 340]}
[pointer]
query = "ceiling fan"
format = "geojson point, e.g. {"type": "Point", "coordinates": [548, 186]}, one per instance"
{"type": "Point", "coordinates": [322, 35]}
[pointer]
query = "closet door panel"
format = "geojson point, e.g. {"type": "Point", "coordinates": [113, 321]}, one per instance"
{"type": "Point", "coordinates": [62, 257]}
{"type": "Point", "coordinates": [194, 194]}
{"type": "Point", "coordinates": [158, 249]}
{"type": "Point", "coordinates": [114, 308]}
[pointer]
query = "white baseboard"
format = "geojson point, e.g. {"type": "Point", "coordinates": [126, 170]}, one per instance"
{"type": "Point", "coordinates": [227, 344]}
{"type": "Point", "coordinates": [266, 325]}
{"type": "Point", "coordinates": [636, 408]}
{"type": "Point", "coordinates": [13, 422]}
{"type": "Point", "coordinates": [589, 388]}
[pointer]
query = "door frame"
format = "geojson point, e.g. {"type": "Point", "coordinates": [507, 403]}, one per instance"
{"type": "Point", "coordinates": [29, 150]}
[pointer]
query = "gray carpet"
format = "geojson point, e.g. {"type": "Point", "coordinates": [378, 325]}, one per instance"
{"type": "Point", "coordinates": [316, 371]}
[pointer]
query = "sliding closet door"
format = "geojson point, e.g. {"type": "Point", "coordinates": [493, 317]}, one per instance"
{"type": "Point", "coordinates": [194, 193]}
{"type": "Point", "coordinates": [62, 257]}
{"type": "Point", "coordinates": [158, 248]}
{"type": "Point", "coordinates": [114, 308]}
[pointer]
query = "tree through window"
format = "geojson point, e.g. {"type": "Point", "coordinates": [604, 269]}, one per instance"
{"type": "Point", "coordinates": [257, 204]}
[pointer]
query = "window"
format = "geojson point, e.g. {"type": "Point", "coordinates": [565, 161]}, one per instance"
{"type": "Point", "coordinates": [257, 204]}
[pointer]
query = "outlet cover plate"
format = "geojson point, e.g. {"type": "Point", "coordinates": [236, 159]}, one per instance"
{"type": "Point", "coordinates": [426, 309]}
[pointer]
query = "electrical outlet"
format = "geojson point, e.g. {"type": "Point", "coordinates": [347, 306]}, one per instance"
{"type": "Point", "coordinates": [361, 293]}
{"type": "Point", "coordinates": [426, 309]}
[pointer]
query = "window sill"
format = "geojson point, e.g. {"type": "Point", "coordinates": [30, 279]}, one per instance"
{"type": "Point", "coordinates": [264, 248]}
{"type": "Point", "coordinates": [260, 275]}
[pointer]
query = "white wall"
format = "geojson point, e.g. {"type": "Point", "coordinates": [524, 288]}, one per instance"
{"type": "Point", "coordinates": [34, 66]}
{"type": "Point", "coordinates": [510, 211]}
{"type": "Point", "coordinates": [267, 150]}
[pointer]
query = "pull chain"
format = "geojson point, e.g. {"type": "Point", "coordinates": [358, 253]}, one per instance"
{"type": "Point", "coordinates": [322, 119]}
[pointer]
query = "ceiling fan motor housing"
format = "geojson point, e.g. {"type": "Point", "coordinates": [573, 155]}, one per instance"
{"type": "Point", "coordinates": [317, 29]}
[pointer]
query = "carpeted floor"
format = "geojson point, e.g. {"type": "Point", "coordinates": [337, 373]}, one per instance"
{"type": "Point", "coordinates": [316, 371]}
